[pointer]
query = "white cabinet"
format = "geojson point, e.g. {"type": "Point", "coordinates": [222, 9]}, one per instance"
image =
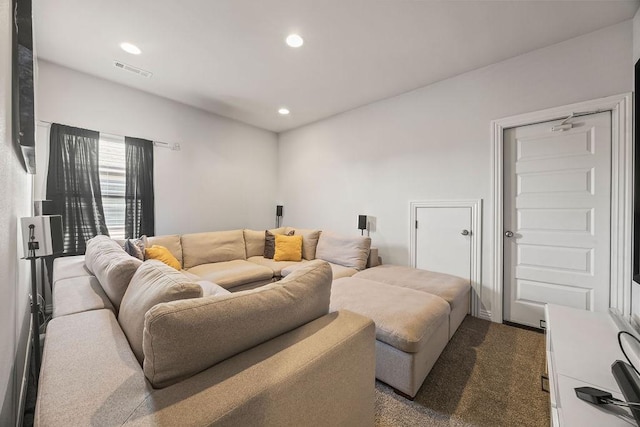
{"type": "Point", "coordinates": [581, 346]}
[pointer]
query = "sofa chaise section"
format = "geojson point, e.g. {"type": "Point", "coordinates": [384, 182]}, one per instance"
{"type": "Point", "coordinates": [214, 360]}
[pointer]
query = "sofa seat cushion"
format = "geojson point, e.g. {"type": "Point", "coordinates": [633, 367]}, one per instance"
{"type": "Point", "coordinates": [78, 294]}
{"type": "Point", "coordinates": [113, 267]}
{"type": "Point", "coordinates": [348, 251]}
{"type": "Point", "coordinates": [69, 266]}
{"type": "Point", "coordinates": [232, 273]}
{"type": "Point", "coordinates": [275, 266]}
{"type": "Point", "coordinates": [89, 374]}
{"type": "Point", "coordinates": [154, 283]}
{"type": "Point", "coordinates": [337, 270]}
{"type": "Point", "coordinates": [404, 318]}
{"type": "Point", "coordinates": [452, 289]}
{"type": "Point", "coordinates": [211, 289]}
{"type": "Point", "coordinates": [182, 338]}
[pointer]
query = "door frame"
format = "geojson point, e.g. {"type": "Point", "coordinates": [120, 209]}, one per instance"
{"type": "Point", "coordinates": [476, 241]}
{"type": "Point", "coordinates": [621, 193]}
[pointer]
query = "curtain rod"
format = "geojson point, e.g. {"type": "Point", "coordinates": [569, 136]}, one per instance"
{"type": "Point", "coordinates": [173, 147]}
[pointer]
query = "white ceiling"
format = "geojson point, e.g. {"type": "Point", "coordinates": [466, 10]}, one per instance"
{"type": "Point", "coordinates": [229, 56]}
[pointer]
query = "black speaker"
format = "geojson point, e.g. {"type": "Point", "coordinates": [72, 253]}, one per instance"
{"type": "Point", "coordinates": [362, 222]}
{"type": "Point", "coordinates": [43, 207]}
{"type": "Point", "coordinates": [278, 210]}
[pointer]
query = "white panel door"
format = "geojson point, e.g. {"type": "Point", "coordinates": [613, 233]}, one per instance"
{"type": "Point", "coordinates": [557, 213]}
{"type": "Point", "coordinates": [443, 240]}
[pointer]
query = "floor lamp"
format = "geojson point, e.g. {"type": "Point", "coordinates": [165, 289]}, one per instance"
{"type": "Point", "coordinates": [42, 236]}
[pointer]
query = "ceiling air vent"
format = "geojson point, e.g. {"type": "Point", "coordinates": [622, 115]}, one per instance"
{"type": "Point", "coordinates": [131, 68]}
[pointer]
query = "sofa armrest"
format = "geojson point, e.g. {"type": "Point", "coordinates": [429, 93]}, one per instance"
{"type": "Point", "coordinates": [322, 373]}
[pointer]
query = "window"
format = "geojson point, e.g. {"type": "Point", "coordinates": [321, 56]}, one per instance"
{"type": "Point", "coordinates": [111, 163]}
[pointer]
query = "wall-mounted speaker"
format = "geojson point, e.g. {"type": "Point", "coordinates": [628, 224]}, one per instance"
{"type": "Point", "coordinates": [362, 222]}
{"type": "Point", "coordinates": [279, 210]}
{"type": "Point", "coordinates": [47, 232]}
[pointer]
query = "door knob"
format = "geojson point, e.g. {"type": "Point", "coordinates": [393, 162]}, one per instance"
{"type": "Point", "coordinates": [465, 232]}
{"type": "Point", "coordinates": [508, 233]}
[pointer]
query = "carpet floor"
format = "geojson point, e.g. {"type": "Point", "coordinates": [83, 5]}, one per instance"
{"type": "Point", "coordinates": [488, 376]}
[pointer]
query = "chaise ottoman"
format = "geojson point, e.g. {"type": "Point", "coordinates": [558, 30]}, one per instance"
{"type": "Point", "coordinates": [454, 290]}
{"type": "Point", "coordinates": [412, 328]}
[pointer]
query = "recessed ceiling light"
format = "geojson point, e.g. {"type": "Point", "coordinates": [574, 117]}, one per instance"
{"type": "Point", "coordinates": [294, 40]}
{"type": "Point", "coordinates": [284, 111]}
{"type": "Point", "coordinates": [130, 48]}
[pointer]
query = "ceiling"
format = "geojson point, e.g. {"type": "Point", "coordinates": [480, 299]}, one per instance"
{"type": "Point", "coordinates": [229, 56]}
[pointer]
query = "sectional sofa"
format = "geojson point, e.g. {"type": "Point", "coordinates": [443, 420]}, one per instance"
{"type": "Point", "coordinates": [104, 299]}
{"type": "Point", "coordinates": [139, 343]}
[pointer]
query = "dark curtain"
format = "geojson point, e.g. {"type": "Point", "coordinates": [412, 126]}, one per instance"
{"type": "Point", "coordinates": [139, 197]}
{"type": "Point", "coordinates": [73, 185]}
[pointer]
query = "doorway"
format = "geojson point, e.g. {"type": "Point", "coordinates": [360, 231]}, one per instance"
{"type": "Point", "coordinates": [446, 237]}
{"type": "Point", "coordinates": [619, 106]}
{"type": "Point", "coordinates": [557, 216]}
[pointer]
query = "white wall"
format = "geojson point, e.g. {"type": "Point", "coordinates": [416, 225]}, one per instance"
{"type": "Point", "coordinates": [224, 177]}
{"type": "Point", "coordinates": [434, 142]}
{"type": "Point", "coordinates": [15, 202]}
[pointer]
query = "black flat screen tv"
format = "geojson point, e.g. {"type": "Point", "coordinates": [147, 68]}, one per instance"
{"type": "Point", "coordinates": [23, 123]}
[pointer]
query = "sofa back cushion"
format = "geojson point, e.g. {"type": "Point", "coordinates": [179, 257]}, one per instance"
{"type": "Point", "coordinates": [217, 246]}
{"type": "Point", "coordinates": [347, 251]}
{"type": "Point", "coordinates": [171, 242]}
{"type": "Point", "coordinates": [182, 338]}
{"type": "Point", "coordinates": [254, 242]}
{"type": "Point", "coordinates": [154, 283]}
{"type": "Point", "coordinates": [111, 265]}
{"type": "Point", "coordinates": [309, 241]}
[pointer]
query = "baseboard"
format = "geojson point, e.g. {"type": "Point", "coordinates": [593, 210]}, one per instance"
{"type": "Point", "coordinates": [485, 314]}
{"type": "Point", "coordinates": [25, 378]}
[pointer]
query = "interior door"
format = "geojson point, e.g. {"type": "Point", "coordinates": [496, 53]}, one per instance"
{"type": "Point", "coordinates": [557, 213]}
{"type": "Point", "coordinates": [443, 240]}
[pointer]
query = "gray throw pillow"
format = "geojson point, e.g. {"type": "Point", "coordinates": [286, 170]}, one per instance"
{"type": "Point", "coordinates": [136, 247]}
{"type": "Point", "coordinates": [270, 243]}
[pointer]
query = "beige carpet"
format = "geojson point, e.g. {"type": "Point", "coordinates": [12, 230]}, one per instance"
{"type": "Point", "coordinates": [488, 375]}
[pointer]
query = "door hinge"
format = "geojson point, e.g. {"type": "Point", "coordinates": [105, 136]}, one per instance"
{"type": "Point", "coordinates": [416, 223]}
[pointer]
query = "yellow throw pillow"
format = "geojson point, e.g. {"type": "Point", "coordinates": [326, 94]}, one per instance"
{"type": "Point", "coordinates": [162, 254]}
{"type": "Point", "coordinates": [288, 248]}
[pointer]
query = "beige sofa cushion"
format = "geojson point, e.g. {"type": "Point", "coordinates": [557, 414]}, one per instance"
{"type": "Point", "coordinates": [337, 270]}
{"type": "Point", "coordinates": [78, 294]}
{"type": "Point", "coordinates": [275, 266]}
{"type": "Point", "coordinates": [347, 251]}
{"type": "Point", "coordinates": [153, 283]}
{"type": "Point", "coordinates": [89, 376]}
{"type": "Point", "coordinates": [217, 246]}
{"type": "Point", "coordinates": [309, 241]}
{"type": "Point", "coordinates": [182, 338]}
{"type": "Point", "coordinates": [232, 273]}
{"type": "Point", "coordinates": [404, 318]}
{"type": "Point", "coordinates": [113, 267]}
{"type": "Point", "coordinates": [446, 286]}
{"type": "Point", "coordinates": [69, 266]}
{"type": "Point", "coordinates": [254, 242]}
{"type": "Point", "coordinates": [210, 288]}
{"type": "Point", "coordinates": [171, 242]}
